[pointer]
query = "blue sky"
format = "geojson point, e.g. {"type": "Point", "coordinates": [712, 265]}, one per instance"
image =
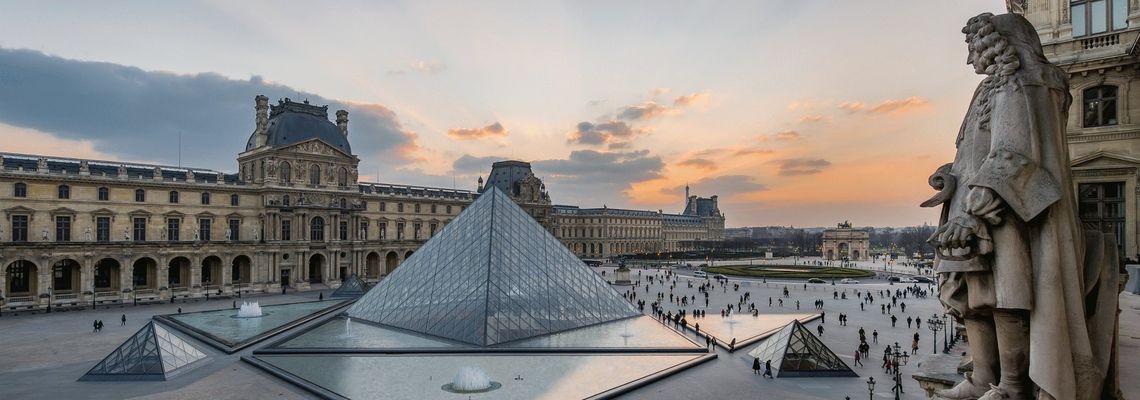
{"type": "Point", "coordinates": [795, 112]}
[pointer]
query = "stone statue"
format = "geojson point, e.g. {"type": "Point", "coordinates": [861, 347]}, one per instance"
{"type": "Point", "coordinates": [255, 235]}
{"type": "Point", "coordinates": [196, 237]}
{"type": "Point", "coordinates": [1, 233]}
{"type": "Point", "coordinates": [126, 234]}
{"type": "Point", "coordinates": [227, 234]}
{"type": "Point", "coordinates": [1014, 264]}
{"type": "Point", "coordinates": [162, 234]}
{"type": "Point", "coordinates": [87, 234]}
{"type": "Point", "coordinates": [42, 165]}
{"type": "Point", "coordinates": [44, 234]}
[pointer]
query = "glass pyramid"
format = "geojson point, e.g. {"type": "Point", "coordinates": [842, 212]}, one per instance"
{"type": "Point", "coordinates": [492, 275]}
{"type": "Point", "coordinates": [152, 353]}
{"type": "Point", "coordinates": [352, 286]}
{"type": "Point", "coordinates": [796, 352]}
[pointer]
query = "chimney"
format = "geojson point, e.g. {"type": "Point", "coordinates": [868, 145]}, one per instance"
{"type": "Point", "coordinates": [480, 187]}
{"type": "Point", "coordinates": [261, 119]}
{"type": "Point", "coordinates": [342, 121]}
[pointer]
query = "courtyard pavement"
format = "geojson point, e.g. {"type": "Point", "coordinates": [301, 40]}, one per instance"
{"type": "Point", "coordinates": [42, 355]}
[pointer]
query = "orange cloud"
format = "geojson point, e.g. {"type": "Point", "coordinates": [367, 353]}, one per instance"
{"type": "Point", "coordinates": [888, 106]}
{"type": "Point", "coordinates": [495, 129]}
{"type": "Point", "coordinates": [699, 163]}
{"type": "Point", "coordinates": [691, 99]}
{"type": "Point", "coordinates": [813, 118]}
{"type": "Point", "coordinates": [852, 106]}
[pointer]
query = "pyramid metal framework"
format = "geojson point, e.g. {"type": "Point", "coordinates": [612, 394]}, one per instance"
{"type": "Point", "coordinates": [796, 352]}
{"type": "Point", "coordinates": [152, 353]}
{"type": "Point", "coordinates": [352, 286]}
{"type": "Point", "coordinates": [492, 275]}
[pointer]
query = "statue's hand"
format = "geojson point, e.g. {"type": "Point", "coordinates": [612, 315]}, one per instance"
{"type": "Point", "coordinates": [984, 203]}
{"type": "Point", "coordinates": [961, 232]}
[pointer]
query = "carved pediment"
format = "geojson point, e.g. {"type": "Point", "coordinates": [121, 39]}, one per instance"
{"type": "Point", "coordinates": [62, 211]}
{"type": "Point", "coordinates": [205, 215]}
{"type": "Point", "coordinates": [316, 146]}
{"type": "Point", "coordinates": [1103, 160]}
{"type": "Point", "coordinates": [234, 215]}
{"type": "Point", "coordinates": [103, 212]}
{"type": "Point", "coordinates": [18, 210]}
{"type": "Point", "coordinates": [139, 213]}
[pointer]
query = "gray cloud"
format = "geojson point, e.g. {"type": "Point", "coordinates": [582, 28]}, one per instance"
{"type": "Point", "coordinates": [587, 175]}
{"type": "Point", "coordinates": [801, 166]}
{"type": "Point", "coordinates": [471, 165]}
{"type": "Point", "coordinates": [725, 185]}
{"type": "Point", "coordinates": [138, 115]}
{"type": "Point", "coordinates": [590, 133]}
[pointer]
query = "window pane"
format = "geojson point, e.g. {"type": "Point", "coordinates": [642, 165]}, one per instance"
{"type": "Point", "coordinates": [1079, 20]}
{"type": "Point", "coordinates": [1113, 190]}
{"type": "Point", "coordinates": [1119, 14]}
{"type": "Point", "coordinates": [1107, 112]}
{"type": "Point", "coordinates": [1089, 210]}
{"type": "Point", "coordinates": [1098, 18]}
{"type": "Point", "coordinates": [1114, 210]}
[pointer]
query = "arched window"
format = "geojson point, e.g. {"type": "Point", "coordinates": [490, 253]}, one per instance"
{"type": "Point", "coordinates": [64, 192]}
{"type": "Point", "coordinates": [20, 190]}
{"type": "Point", "coordinates": [1099, 106]}
{"type": "Point", "coordinates": [104, 194]}
{"type": "Point", "coordinates": [140, 195]}
{"type": "Point", "coordinates": [342, 176]}
{"type": "Point", "coordinates": [173, 196]}
{"type": "Point", "coordinates": [205, 198]}
{"type": "Point", "coordinates": [317, 229]}
{"type": "Point", "coordinates": [286, 173]}
{"type": "Point", "coordinates": [315, 175]}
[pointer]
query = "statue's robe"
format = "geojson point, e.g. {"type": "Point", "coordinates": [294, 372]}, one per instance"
{"type": "Point", "coordinates": [1038, 257]}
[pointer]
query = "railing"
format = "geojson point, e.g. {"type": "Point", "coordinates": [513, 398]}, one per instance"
{"type": "Point", "coordinates": [112, 294]}
{"type": "Point", "coordinates": [145, 293]}
{"type": "Point", "coordinates": [20, 299]}
{"type": "Point", "coordinates": [66, 296]}
{"type": "Point", "coordinates": [1100, 41]}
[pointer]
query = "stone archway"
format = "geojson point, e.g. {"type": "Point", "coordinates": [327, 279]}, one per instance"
{"type": "Point", "coordinates": [21, 281]}
{"type": "Point", "coordinates": [316, 268]}
{"type": "Point", "coordinates": [178, 274]}
{"type": "Point", "coordinates": [391, 262]}
{"type": "Point", "coordinates": [830, 254]}
{"type": "Point", "coordinates": [240, 270]}
{"type": "Point", "coordinates": [65, 277]}
{"type": "Point", "coordinates": [844, 250]}
{"type": "Point", "coordinates": [144, 274]}
{"type": "Point", "coordinates": [408, 255]}
{"type": "Point", "coordinates": [372, 265]}
{"type": "Point", "coordinates": [211, 272]}
{"type": "Point", "coordinates": [107, 273]}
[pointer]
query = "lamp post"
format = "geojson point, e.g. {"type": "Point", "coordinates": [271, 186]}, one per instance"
{"type": "Point", "coordinates": [49, 300]}
{"type": "Point", "coordinates": [871, 388]}
{"type": "Point", "coordinates": [935, 325]}
{"type": "Point", "coordinates": [945, 338]}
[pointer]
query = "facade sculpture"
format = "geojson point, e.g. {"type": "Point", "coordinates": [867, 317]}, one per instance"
{"type": "Point", "coordinates": [1037, 294]}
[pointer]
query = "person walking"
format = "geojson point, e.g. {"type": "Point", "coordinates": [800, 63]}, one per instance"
{"type": "Point", "coordinates": [875, 336]}
{"type": "Point", "coordinates": [820, 329]}
{"type": "Point", "coordinates": [732, 345]}
{"type": "Point", "coordinates": [95, 326]}
{"type": "Point", "coordinates": [124, 320]}
{"type": "Point", "coordinates": [908, 321]}
{"type": "Point", "coordinates": [858, 358]}
{"type": "Point", "coordinates": [893, 320]}
{"type": "Point", "coordinates": [756, 365]}
{"type": "Point", "coordinates": [768, 370]}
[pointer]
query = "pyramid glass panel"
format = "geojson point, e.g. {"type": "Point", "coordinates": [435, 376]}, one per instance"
{"type": "Point", "coordinates": [352, 286]}
{"type": "Point", "coordinates": [152, 353]}
{"type": "Point", "coordinates": [492, 275]}
{"type": "Point", "coordinates": [795, 351]}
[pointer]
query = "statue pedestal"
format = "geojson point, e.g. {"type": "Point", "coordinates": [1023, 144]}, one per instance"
{"type": "Point", "coordinates": [939, 372]}
{"type": "Point", "coordinates": [621, 277]}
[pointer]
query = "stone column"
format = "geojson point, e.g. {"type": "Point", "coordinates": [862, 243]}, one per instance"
{"type": "Point", "coordinates": [87, 279]}
{"type": "Point", "coordinates": [196, 275]}
{"type": "Point", "coordinates": [163, 272]}
{"type": "Point", "coordinates": [227, 273]}
{"type": "Point", "coordinates": [126, 279]}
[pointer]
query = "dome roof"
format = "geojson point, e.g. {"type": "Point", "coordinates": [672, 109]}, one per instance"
{"type": "Point", "coordinates": [291, 123]}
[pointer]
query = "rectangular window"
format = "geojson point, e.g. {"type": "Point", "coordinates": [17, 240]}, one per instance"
{"type": "Point", "coordinates": [343, 230]}
{"type": "Point", "coordinates": [399, 207]}
{"type": "Point", "coordinates": [416, 230]}
{"type": "Point", "coordinates": [21, 190]}
{"type": "Point", "coordinates": [449, 209]}
{"type": "Point", "coordinates": [433, 227]}
{"type": "Point", "coordinates": [433, 208]}
{"type": "Point", "coordinates": [417, 208]}
{"type": "Point", "coordinates": [103, 229]}
{"type": "Point", "coordinates": [1102, 207]}
{"type": "Point", "coordinates": [63, 229]}
{"type": "Point", "coordinates": [399, 231]}
{"type": "Point", "coordinates": [235, 200]}
{"type": "Point", "coordinates": [19, 228]}
{"type": "Point", "coordinates": [235, 228]}
{"type": "Point", "coordinates": [383, 230]}
{"type": "Point", "coordinates": [64, 192]}
{"type": "Point", "coordinates": [172, 225]}
{"type": "Point", "coordinates": [140, 195]}
{"type": "Point", "coordinates": [204, 229]}
{"type": "Point", "coordinates": [174, 197]}
{"type": "Point", "coordinates": [104, 194]}
{"type": "Point", "coordinates": [139, 225]}
{"type": "Point", "coordinates": [205, 198]}
{"type": "Point", "coordinates": [1091, 17]}
{"type": "Point", "coordinates": [286, 230]}
{"type": "Point", "coordinates": [383, 206]}
{"type": "Point", "coordinates": [1119, 14]}
{"type": "Point", "coordinates": [1098, 16]}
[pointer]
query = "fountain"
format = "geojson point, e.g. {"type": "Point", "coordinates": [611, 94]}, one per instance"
{"type": "Point", "coordinates": [249, 310]}
{"type": "Point", "coordinates": [471, 380]}
{"type": "Point", "coordinates": [347, 334]}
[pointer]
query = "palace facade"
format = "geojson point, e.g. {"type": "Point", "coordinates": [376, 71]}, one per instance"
{"type": "Point", "coordinates": [82, 232]}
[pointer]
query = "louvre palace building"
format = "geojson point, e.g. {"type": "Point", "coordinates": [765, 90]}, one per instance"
{"type": "Point", "coordinates": [85, 232]}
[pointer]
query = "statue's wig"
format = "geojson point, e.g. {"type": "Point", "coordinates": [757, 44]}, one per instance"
{"type": "Point", "coordinates": [994, 52]}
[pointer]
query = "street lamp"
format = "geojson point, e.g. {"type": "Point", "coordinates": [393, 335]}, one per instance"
{"type": "Point", "coordinates": [935, 325]}
{"type": "Point", "coordinates": [49, 300]}
{"type": "Point", "coordinates": [945, 339]}
{"type": "Point", "coordinates": [896, 358]}
{"type": "Point", "coordinates": [871, 388]}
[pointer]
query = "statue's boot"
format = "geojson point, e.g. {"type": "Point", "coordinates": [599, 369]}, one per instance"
{"type": "Point", "coordinates": [984, 352]}
{"type": "Point", "coordinates": [1013, 339]}
{"type": "Point", "coordinates": [964, 390]}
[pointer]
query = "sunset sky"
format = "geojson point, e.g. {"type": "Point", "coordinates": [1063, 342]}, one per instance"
{"type": "Point", "coordinates": [802, 113]}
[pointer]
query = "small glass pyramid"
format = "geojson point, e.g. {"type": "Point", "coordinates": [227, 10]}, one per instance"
{"type": "Point", "coordinates": [493, 275]}
{"type": "Point", "coordinates": [352, 286]}
{"type": "Point", "coordinates": [796, 352]}
{"type": "Point", "coordinates": [152, 353]}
